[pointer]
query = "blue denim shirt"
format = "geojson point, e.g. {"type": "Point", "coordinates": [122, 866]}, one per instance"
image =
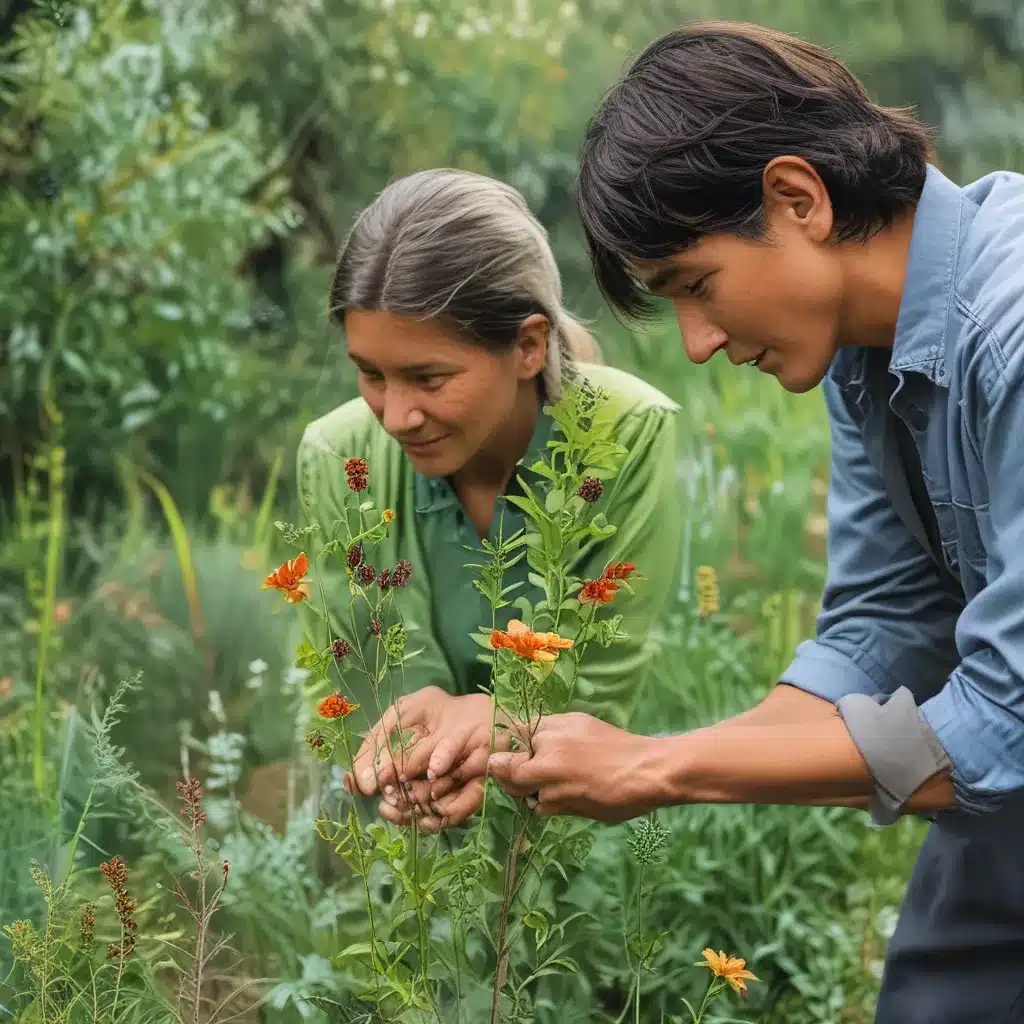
{"type": "Point", "coordinates": [952, 632]}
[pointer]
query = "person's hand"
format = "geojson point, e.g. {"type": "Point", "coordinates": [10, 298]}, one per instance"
{"type": "Point", "coordinates": [443, 803]}
{"type": "Point", "coordinates": [583, 766]}
{"type": "Point", "coordinates": [451, 738]}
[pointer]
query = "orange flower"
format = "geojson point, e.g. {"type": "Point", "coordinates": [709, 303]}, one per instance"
{"type": "Point", "coordinates": [620, 570]}
{"type": "Point", "coordinates": [335, 706]}
{"type": "Point", "coordinates": [730, 967]}
{"type": "Point", "coordinates": [598, 591]}
{"type": "Point", "coordinates": [521, 640]}
{"type": "Point", "coordinates": [289, 579]}
{"type": "Point", "coordinates": [388, 515]}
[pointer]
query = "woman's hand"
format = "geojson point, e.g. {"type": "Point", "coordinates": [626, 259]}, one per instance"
{"type": "Point", "coordinates": [443, 803]}
{"type": "Point", "coordinates": [583, 766]}
{"type": "Point", "coordinates": [451, 739]}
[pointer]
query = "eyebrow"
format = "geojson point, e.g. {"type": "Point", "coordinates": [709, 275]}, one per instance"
{"type": "Point", "coordinates": [413, 368]}
{"type": "Point", "coordinates": [662, 279]}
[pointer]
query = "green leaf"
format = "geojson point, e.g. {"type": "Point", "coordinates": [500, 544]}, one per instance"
{"type": "Point", "coordinates": [530, 507]}
{"type": "Point", "coordinates": [555, 501]}
{"type": "Point", "coordinates": [483, 639]}
{"type": "Point", "coordinates": [536, 921]}
{"type": "Point", "coordinates": [356, 949]}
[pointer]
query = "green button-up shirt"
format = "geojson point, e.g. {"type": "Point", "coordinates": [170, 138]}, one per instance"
{"type": "Point", "coordinates": [441, 607]}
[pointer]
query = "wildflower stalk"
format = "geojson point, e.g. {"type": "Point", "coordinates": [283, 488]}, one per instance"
{"type": "Point", "coordinates": [205, 907]}
{"type": "Point", "coordinates": [640, 937]}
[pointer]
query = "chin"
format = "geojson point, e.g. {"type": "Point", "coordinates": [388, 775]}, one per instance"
{"type": "Point", "coordinates": [800, 384]}
{"type": "Point", "coordinates": [440, 464]}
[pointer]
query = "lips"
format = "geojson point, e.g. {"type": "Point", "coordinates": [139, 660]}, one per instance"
{"type": "Point", "coordinates": [422, 446]}
{"type": "Point", "coordinates": [750, 361]}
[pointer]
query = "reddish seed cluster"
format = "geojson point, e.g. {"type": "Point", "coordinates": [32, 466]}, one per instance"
{"type": "Point", "coordinates": [316, 740]}
{"type": "Point", "coordinates": [191, 794]}
{"type": "Point", "coordinates": [401, 574]}
{"type": "Point", "coordinates": [357, 470]}
{"type": "Point", "coordinates": [366, 574]}
{"type": "Point", "coordinates": [376, 627]}
{"type": "Point", "coordinates": [340, 649]}
{"type": "Point", "coordinates": [117, 875]}
{"type": "Point", "coordinates": [384, 580]}
{"type": "Point", "coordinates": [591, 489]}
{"type": "Point", "coordinates": [88, 924]}
{"type": "Point", "coordinates": [355, 556]}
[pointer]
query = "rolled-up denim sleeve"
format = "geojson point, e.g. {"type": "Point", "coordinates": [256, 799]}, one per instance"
{"type": "Point", "coordinates": [886, 621]}
{"type": "Point", "coordinates": [978, 715]}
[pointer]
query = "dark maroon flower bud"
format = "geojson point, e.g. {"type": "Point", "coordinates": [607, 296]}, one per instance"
{"type": "Point", "coordinates": [591, 489]}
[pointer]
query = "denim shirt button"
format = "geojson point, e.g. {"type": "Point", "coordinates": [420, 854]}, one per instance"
{"type": "Point", "coordinates": [917, 418]}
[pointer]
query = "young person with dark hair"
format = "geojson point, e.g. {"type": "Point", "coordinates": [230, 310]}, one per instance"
{"type": "Point", "coordinates": [800, 228]}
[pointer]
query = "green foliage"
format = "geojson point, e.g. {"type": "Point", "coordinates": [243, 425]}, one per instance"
{"type": "Point", "coordinates": [175, 180]}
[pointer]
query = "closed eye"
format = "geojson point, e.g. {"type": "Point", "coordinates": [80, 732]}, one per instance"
{"type": "Point", "coordinates": [699, 288]}
{"type": "Point", "coordinates": [431, 381]}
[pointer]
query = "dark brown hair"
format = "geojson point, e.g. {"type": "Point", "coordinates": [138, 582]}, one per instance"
{"type": "Point", "coordinates": [678, 147]}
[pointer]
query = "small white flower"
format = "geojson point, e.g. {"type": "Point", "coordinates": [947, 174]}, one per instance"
{"type": "Point", "coordinates": [294, 676]}
{"type": "Point", "coordinates": [421, 25]}
{"type": "Point", "coordinates": [402, 78]}
{"type": "Point", "coordinates": [464, 32]}
{"type": "Point", "coordinates": [258, 667]}
{"type": "Point", "coordinates": [378, 73]}
{"type": "Point", "coordinates": [217, 706]}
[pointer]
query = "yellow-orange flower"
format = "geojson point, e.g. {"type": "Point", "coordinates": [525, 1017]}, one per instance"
{"type": "Point", "coordinates": [335, 706]}
{"type": "Point", "coordinates": [290, 579]}
{"type": "Point", "coordinates": [731, 968]}
{"type": "Point", "coordinates": [598, 591]}
{"type": "Point", "coordinates": [521, 640]}
{"type": "Point", "coordinates": [388, 515]}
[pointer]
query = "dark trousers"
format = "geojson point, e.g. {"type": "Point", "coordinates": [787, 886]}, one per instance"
{"type": "Point", "coordinates": [957, 956]}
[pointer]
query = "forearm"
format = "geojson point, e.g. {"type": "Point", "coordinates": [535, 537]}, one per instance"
{"type": "Point", "coordinates": [784, 703]}
{"type": "Point", "coordinates": [806, 763]}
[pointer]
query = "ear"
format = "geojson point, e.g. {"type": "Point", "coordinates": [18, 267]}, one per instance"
{"type": "Point", "coordinates": [795, 197]}
{"type": "Point", "coordinates": [532, 345]}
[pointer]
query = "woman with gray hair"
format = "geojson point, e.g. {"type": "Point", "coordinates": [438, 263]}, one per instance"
{"type": "Point", "coordinates": [451, 306]}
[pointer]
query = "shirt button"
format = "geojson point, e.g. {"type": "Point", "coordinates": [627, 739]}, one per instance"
{"type": "Point", "coordinates": [917, 418]}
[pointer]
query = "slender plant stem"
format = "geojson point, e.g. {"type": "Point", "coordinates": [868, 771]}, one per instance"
{"type": "Point", "coordinates": [501, 971]}
{"type": "Point", "coordinates": [640, 939]}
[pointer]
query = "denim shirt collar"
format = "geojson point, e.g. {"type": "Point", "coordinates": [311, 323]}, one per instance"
{"type": "Point", "coordinates": [432, 493]}
{"type": "Point", "coordinates": [923, 327]}
{"type": "Point", "coordinates": [924, 339]}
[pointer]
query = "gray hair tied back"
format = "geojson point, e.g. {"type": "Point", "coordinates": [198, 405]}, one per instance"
{"type": "Point", "coordinates": [465, 249]}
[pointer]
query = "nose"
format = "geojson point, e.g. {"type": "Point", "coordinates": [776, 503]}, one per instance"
{"type": "Point", "coordinates": [701, 338]}
{"type": "Point", "coordinates": [401, 415]}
